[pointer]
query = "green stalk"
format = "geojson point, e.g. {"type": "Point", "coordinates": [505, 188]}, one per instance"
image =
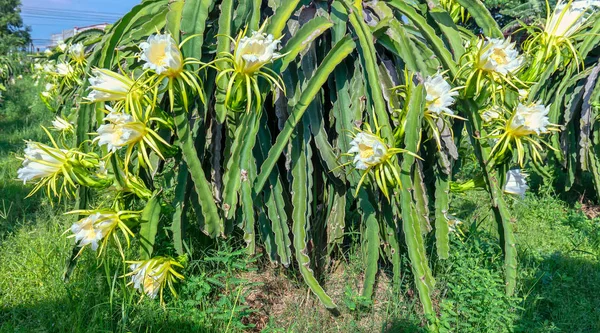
{"type": "Point", "coordinates": [370, 242]}
{"type": "Point", "coordinates": [212, 221]}
{"type": "Point", "coordinates": [301, 200]}
{"type": "Point", "coordinates": [367, 53]}
{"type": "Point", "coordinates": [442, 200]}
{"type": "Point", "coordinates": [410, 221]}
{"type": "Point", "coordinates": [337, 54]}
{"type": "Point", "coordinates": [499, 206]}
{"type": "Point", "coordinates": [223, 45]}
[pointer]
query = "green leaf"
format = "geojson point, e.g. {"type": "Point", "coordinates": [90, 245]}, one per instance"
{"type": "Point", "coordinates": [212, 221]}
{"type": "Point", "coordinates": [371, 242]}
{"type": "Point", "coordinates": [179, 202]}
{"type": "Point", "coordinates": [282, 14]}
{"type": "Point", "coordinates": [338, 53]}
{"type": "Point", "coordinates": [174, 17]}
{"type": "Point", "coordinates": [193, 22]}
{"type": "Point", "coordinates": [482, 17]}
{"type": "Point", "coordinates": [149, 226]}
{"type": "Point", "coordinates": [301, 189]}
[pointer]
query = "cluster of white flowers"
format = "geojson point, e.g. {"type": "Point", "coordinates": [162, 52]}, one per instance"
{"type": "Point", "coordinates": [369, 150]}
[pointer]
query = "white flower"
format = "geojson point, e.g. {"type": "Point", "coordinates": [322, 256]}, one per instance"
{"type": "Point", "coordinates": [77, 52]}
{"type": "Point", "coordinates": [439, 94]}
{"type": "Point", "coordinates": [40, 161]}
{"type": "Point", "coordinates": [453, 223]}
{"type": "Point", "coordinates": [530, 119]}
{"type": "Point", "coordinates": [490, 114]}
{"type": "Point", "coordinates": [61, 125]}
{"type": "Point", "coordinates": [20, 77]}
{"type": "Point", "coordinates": [48, 52]}
{"type": "Point", "coordinates": [102, 170]}
{"type": "Point", "coordinates": [121, 131]}
{"type": "Point", "coordinates": [86, 231]}
{"type": "Point", "coordinates": [568, 17]}
{"type": "Point", "coordinates": [500, 56]}
{"type": "Point", "coordinates": [38, 67]}
{"type": "Point", "coordinates": [48, 91]}
{"type": "Point", "coordinates": [369, 150]}
{"type": "Point", "coordinates": [62, 47]}
{"type": "Point", "coordinates": [146, 279]}
{"type": "Point", "coordinates": [515, 183]}
{"type": "Point", "coordinates": [523, 94]}
{"type": "Point", "coordinates": [108, 86]}
{"type": "Point", "coordinates": [253, 52]}
{"type": "Point", "coordinates": [64, 69]}
{"type": "Point", "coordinates": [161, 54]}
{"type": "Point", "coordinates": [49, 68]}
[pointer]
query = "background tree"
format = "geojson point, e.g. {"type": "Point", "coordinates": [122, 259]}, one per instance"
{"type": "Point", "coordinates": [13, 34]}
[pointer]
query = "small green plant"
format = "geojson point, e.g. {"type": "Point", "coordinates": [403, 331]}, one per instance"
{"type": "Point", "coordinates": [474, 289]}
{"type": "Point", "coordinates": [356, 302]}
{"type": "Point", "coordinates": [217, 289]}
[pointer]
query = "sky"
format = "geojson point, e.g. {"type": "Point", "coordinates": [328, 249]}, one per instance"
{"type": "Point", "coordinates": [46, 17]}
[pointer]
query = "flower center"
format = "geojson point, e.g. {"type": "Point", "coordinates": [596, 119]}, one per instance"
{"type": "Point", "coordinates": [157, 54]}
{"type": "Point", "coordinates": [365, 151]}
{"type": "Point", "coordinates": [499, 56]}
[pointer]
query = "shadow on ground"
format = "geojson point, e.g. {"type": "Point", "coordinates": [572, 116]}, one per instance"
{"type": "Point", "coordinates": [563, 295]}
{"type": "Point", "coordinates": [68, 315]}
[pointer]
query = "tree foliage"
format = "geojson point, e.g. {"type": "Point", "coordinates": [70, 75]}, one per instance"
{"type": "Point", "coordinates": [13, 34]}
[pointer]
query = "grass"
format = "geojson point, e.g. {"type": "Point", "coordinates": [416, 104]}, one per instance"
{"type": "Point", "coordinates": [559, 275]}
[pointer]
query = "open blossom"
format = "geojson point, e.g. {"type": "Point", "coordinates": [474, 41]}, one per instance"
{"type": "Point", "coordinates": [254, 52]}
{"type": "Point", "coordinates": [91, 229]}
{"type": "Point", "coordinates": [500, 56]}
{"type": "Point", "coordinates": [529, 119]}
{"type": "Point", "coordinates": [568, 17]}
{"type": "Point", "coordinates": [439, 94]}
{"type": "Point", "coordinates": [64, 69]}
{"type": "Point", "coordinates": [369, 150]}
{"type": "Point", "coordinates": [150, 276]}
{"type": "Point", "coordinates": [62, 47]}
{"type": "Point", "coordinates": [146, 278]}
{"type": "Point", "coordinates": [161, 54]}
{"type": "Point", "coordinates": [49, 68]}
{"type": "Point", "coordinates": [453, 222]}
{"type": "Point", "coordinates": [491, 114]}
{"type": "Point", "coordinates": [515, 183]}
{"type": "Point", "coordinates": [48, 52]}
{"type": "Point", "coordinates": [41, 161]}
{"type": "Point", "coordinates": [109, 86]}
{"type": "Point", "coordinates": [77, 52]}
{"type": "Point", "coordinates": [120, 131]}
{"type": "Point", "coordinates": [61, 125]}
{"type": "Point", "coordinates": [48, 90]}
